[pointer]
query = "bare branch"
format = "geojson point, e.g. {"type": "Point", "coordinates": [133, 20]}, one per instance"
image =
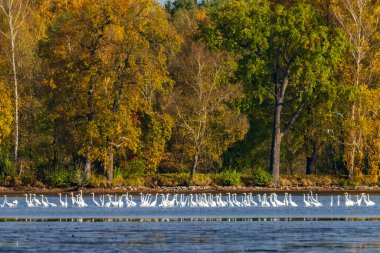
{"type": "Point", "coordinates": [293, 119]}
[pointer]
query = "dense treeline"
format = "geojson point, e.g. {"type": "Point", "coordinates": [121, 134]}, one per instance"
{"type": "Point", "coordinates": [125, 92]}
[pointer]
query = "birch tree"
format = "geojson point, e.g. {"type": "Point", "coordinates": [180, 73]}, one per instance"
{"type": "Point", "coordinates": [207, 124]}
{"type": "Point", "coordinates": [14, 12]}
{"type": "Point", "coordinates": [359, 19]}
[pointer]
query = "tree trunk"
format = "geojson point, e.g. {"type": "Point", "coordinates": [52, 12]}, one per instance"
{"type": "Point", "coordinates": [276, 143]}
{"type": "Point", "coordinates": [15, 13]}
{"type": "Point", "coordinates": [15, 79]}
{"type": "Point", "coordinates": [194, 167]}
{"type": "Point", "coordinates": [90, 118]}
{"type": "Point", "coordinates": [87, 168]}
{"type": "Point", "coordinates": [351, 145]}
{"type": "Point", "coordinates": [109, 168]}
{"type": "Point", "coordinates": [311, 161]}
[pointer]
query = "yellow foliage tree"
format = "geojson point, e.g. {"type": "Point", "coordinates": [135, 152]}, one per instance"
{"type": "Point", "coordinates": [6, 115]}
{"type": "Point", "coordinates": [106, 66]}
{"type": "Point", "coordinates": [359, 21]}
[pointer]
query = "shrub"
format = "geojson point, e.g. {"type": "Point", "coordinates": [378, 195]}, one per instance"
{"type": "Point", "coordinates": [61, 177]}
{"type": "Point", "coordinates": [171, 180]}
{"type": "Point", "coordinates": [343, 182]}
{"type": "Point", "coordinates": [28, 179]}
{"type": "Point", "coordinates": [138, 181]}
{"type": "Point", "coordinates": [6, 167]}
{"type": "Point", "coordinates": [97, 181]}
{"type": "Point", "coordinates": [135, 168]}
{"type": "Point", "coordinates": [169, 164]}
{"type": "Point", "coordinates": [28, 175]}
{"type": "Point", "coordinates": [202, 180]}
{"type": "Point", "coordinates": [118, 179]}
{"type": "Point", "coordinates": [261, 177]}
{"type": "Point", "coordinates": [354, 182]}
{"type": "Point", "coordinates": [284, 181]}
{"type": "Point", "coordinates": [228, 178]}
{"type": "Point", "coordinates": [370, 180]}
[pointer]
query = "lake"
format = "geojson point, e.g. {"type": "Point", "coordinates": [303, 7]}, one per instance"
{"type": "Point", "coordinates": [191, 229]}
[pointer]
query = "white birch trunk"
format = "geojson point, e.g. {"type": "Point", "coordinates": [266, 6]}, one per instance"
{"type": "Point", "coordinates": [14, 12]}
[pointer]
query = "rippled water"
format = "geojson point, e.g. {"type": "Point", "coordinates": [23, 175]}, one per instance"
{"type": "Point", "coordinates": [248, 229]}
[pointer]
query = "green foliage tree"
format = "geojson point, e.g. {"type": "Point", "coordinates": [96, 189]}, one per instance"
{"type": "Point", "coordinates": [173, 6]}
{"type": "Point", "coordinates": [286, 53]}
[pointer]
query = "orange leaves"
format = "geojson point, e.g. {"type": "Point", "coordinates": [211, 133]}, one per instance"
{"type": "Point", "coordinates": [6, 112]}
{"type": "Point", "coordinates": [200, 15]}
{"type": "Point", "coordinates": [108, 59]}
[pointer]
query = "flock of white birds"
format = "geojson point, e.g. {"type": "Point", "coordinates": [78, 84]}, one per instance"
{"type": "Point", "coordinates": [191, 200]}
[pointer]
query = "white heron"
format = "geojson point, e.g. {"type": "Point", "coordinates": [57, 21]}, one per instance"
{"type": "Point", "coordinates": [50, 203]}
{"type": "Point", "coordinates": [367, 201]}
{"type": "Point", "coordinates": [93, 199]}
{"type": "Point", "coordinates": [63, 203]}
{"type": "Point", "coordinates": [154, 202]}
{"type": "Point", "coordinates": [44, 203]}
{"type": "Point", "coordinates": [348, 201]}
{"type": "Point", "coordinates": [28, 203]}
{"type": "Point", "coordinates": [305, 202]}
{"type": "Point", "coordinates": [291, 202]}
{"type": "Point", "coordinates": [36, 201]}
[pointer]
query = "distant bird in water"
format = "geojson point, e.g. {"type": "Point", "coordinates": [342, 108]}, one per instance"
{"type": "Point", "coordinates": [194, 200]}
{"type": "Point", "coordinates": [367, 201]}
{"type": "Point", "coordinates": [14, 203]}
{"type": "Point", "coordinates": [93, 199]}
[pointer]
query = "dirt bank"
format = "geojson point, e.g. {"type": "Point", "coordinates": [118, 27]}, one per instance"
{"type": "Point", "coordinates": [191, 189]}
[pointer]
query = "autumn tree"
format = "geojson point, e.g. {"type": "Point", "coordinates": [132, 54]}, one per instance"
{"type": "Point", "coordinates": [14, 13]}
{"type": "Point", "coordinates": [107, 65]}
{"type": "Point", "coordinates": [6, 122]}
{"type": "Point", "coordinates": [173, 6]}
{"type": "Point", "coordinates": [359, 21]}
{"type": "Point", "coordinates": [286, 53]}
{"type": "Point", "coordinates": [6, 115]}
{"type": "Point", "coordinates": [207, 119]}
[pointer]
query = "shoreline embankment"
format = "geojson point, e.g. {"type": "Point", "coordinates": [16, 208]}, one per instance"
{"type": "Point", "coordinates": [193, 189]}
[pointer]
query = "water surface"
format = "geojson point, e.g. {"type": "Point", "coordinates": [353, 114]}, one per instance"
{"type": "Point", "coordinates": [248, 229]}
